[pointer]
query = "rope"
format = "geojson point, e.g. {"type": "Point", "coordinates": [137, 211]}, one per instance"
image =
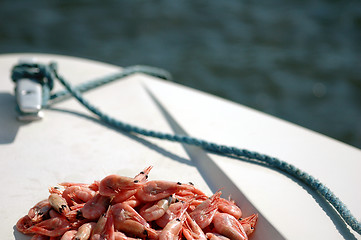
{"type": "Point", "coordinates": [229, 151]}
{"type": "Point", "coordinates": [156, 72]}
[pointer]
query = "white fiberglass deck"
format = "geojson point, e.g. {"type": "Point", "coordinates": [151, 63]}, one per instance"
{"type": "Point", "coordinates": [69, 144]}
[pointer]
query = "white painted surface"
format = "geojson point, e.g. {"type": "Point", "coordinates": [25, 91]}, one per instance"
{"type": "Point", "coordinates": [70, 145]}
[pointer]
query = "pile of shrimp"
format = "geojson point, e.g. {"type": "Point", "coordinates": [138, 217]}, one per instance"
{"type": "Point", "coordinates": [121, 208]}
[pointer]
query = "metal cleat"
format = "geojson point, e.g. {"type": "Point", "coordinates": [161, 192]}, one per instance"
{"type": "Point", "coordinates": [29, 96]}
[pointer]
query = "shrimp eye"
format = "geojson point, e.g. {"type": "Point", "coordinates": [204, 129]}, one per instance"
{"type": "Point", "coordinates": [145, 232]}
{"type": "Point", "coordinates": [136, 181]}
{"type": "Point", "coordinates": [190, 183]}
{"type": "Point", "coordinates": [179, 183]}
{"type": "Point", "coordinates": [79, 215]}
{"type": "Point", "coordinates": [252, 227]}
{"type": "Point", "coordinates": [177, 219]}
{"type": "Point", "coordinates": [146, 176]}
{"type": "Point", "coordinates": [141, 172]}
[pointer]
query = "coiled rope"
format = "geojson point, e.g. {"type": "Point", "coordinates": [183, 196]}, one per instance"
{"type": "Point", "coordinates": [47, 74]}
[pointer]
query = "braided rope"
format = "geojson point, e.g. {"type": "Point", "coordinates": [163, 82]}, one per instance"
{"type": "Point", "coordinates": [156, 72]}
{"type": "Point", "coordinates": [208, 146]}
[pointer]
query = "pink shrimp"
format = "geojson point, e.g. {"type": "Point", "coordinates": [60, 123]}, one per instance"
{"type": "Point", "coordinates": [56, 190]}
{"type": "Point", "coordinates": [136, 229]}
{"type": "Point", "coordinates": [100, 225]}
{"type": "Point", "coordinates": [113, 184]}
{"type": "Point", "coordinates": [127, 220]}
{"type": "Point", "coordinates": [123, 211]}
{"type": "Point", "coordinates": [151, 211]}
{"type": "Point", "coordinates": [196, 199]}
{"type": "Point", "coordinates": [104, 229]}
{"type": "Point", "coordinates": [77, 194]}
{"type": "Point", "coordinates": [191, 230]}
{"type": "Point", "coordinates": [95, 207]}
{"type": "Point", "coordinates": [53, 227]}
{"type": "Point", "coordinates": [228, 206]}
{"type": "Point", "coordinates": [227, 225]}
{"type": "Point", "coordinates": [75, 215]}
{"type": "Point", "coordinates": [203, 214]}
{"type": "Point", "coordinates": [125, 194]}
{"type": "Point", "coordinates": [173, 211]}
{"type": "Point", "coordinates": [23, 224]}
{"type": "Point", "coordinates": [68, 235]}
{"type": "Point", "coordinates": [122, 236]}
{"type": "Point", "coordinates": [157, 189]}
{"type": "Point", "coordinates": [248, 223]}
{"type": "Point", "coordinates": [173, 228]}
{"type": "Point", "coordinates": [84, 231]}
{"type": "Point", "coordinates": [143, 175]}
{"type": "Point", "coordinates": [38, 212]}
{"type": "Point", "coordinates": [216, 236]}
{"type": "Point", "coordinates": [59, 204]}
{"type": "Point", "coordinates": [132, 201]}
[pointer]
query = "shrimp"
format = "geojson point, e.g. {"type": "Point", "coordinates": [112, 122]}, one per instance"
{"type": "Point", "coordinates": [143, 175]}
{"type": "Point", "coordinates": [59, 204]}
{"type": "Point", "coordinates": [113, 184]}
{"type": "Point", "coordinates": [122, 236]}
{"type": "Point", "coordinates": [77, 194]}
{"type": "Point", "coordinates": [228, 206]}
{"type": "Point", "coordinates": [196, 198]}
{"type": "Point", "coordinates": [136, 229]}
{"type": "Point", "coordinates": [248, 223]}
{"type": "Point", "coordinates": [173, 228]}
{"type": "Point", "coordinates": [151, 211]}
{"type": "Point", "coordinates": [104, 229]}
{"type": "Point", "coordinates": [141, 178]}
{"type": "Point", "coordinates": [191, 230]}
{"type": "Point", "coordinates": [100, 225]}
{"type": "Point", "coordinates": [174, 210]}
{"type": "Point", "coordinates": [123, 211]}
{"type": "Point", "coordinates": [157, 189]}
{"type": "Point", "coordinates": [229, 226]}
{"type": "Point", "coordinates": [23, 224]}
{"type": "Point", "coordinates": [132, 201]}
{"type": "Point", "coordinates": [75, 216]}
{"type": "Point", "coordinates": [53, 227]}
{"type": "Point", "coordinates": [204, 212]}
{"type": "Point", "coordinates": [95, 207]}
{"type": "Point", "coordinates": [216, 236]}
{"type": "Point", "coordinates": [84, 231]}
{"type": "Point", "coordinates": [129, 221]}
{"type": "Point", "coordinates": [37, 213]}
{"type": "Point", "coordinates": [68, 235]}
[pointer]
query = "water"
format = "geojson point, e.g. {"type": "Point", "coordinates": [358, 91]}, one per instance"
{"type": "Point", "coordinates": [297, 60]}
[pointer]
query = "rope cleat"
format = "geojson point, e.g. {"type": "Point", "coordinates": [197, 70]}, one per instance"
{"type": "Point", "coordinates": [31, 89]}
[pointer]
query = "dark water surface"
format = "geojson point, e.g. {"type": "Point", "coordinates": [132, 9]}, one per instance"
{"type": "Point", "coordinates": [297, 60]}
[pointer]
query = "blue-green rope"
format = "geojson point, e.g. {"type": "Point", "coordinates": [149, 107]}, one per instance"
{"type": "Point", "coordinates": [156, 72]}
{"type": "Point", "coordinates": [224, 150]}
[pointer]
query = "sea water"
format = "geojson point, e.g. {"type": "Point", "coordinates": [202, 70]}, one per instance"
{"type": "Point", "coordinates": [297, 60]}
